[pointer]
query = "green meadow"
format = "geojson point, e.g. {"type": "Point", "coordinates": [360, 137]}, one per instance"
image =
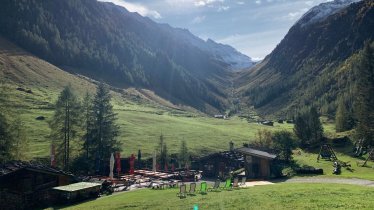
{"type": "Point", "coordinates": [277, 196]}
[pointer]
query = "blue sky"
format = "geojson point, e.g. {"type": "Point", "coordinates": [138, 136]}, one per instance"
{"type": "Point", "coordinates": [254, 27]}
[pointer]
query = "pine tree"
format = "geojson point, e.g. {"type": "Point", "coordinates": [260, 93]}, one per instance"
{"type": "Point", "coordinates": [316, 128]}
{"type": "Point", "coordinates": [20, 140]}
{"type": "Point", "coordinates": [87, 109]}
{"type": "Point", "coordinates": [343, 117]}
{"type": "Point", "coordinates": [5, 141]}
{"type": "Point", "coordinates": [183, 155]}
{"type": "Point", "coordinates": [104, 130]}
{"type": "Point", "coordinates": [308, 128]}
{"type": "Point", "coordinates": [65, 124]}
{"type": "Point", "coordinates": [162, 148]}
{"type": "Point", "coordinates": [13, 141]}
{"type": "Point", "coordinates": [6, 144]}
{"type": "Point", "coordinates": [364, 104]}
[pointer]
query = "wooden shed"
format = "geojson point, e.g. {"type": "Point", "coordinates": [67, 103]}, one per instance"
{"type": "Point", "coordinates": [257, 163]}
{"type": "Point", "coordinates": [26, 185]}
{"type": "Point", "coordinates": [77, 191]}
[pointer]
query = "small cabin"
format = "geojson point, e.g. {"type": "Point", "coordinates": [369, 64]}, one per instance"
{"type": "Point", "coordinates": [27, 185]}
{"type": "Point", "coordinates": [219, 164]}
{"type": "Point", "coordinates": [257, 163]}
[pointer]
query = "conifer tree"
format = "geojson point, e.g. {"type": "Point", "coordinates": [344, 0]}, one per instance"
{"type": "Point", "coordinates": [87, 109]}
{"type": "Point", "coordinates": [183, 154]}
{"type": "Point", "coordinates": [104, 130]}
{"type": "Point", "coordinates": [65, 124]}
{"type": "Point", "coordinates": [308, 128]}
{"type": "Point", "coordinates": [364, 104]}
{"type": "Point", "coordinates": [343, 117]}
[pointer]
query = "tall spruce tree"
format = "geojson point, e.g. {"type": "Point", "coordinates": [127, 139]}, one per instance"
{"type": "Point", "coordinates": [183, 155]}
{"type": "Point", "coordinates": [13, 141]}
{"type": "Point", "coordinates": [5, 134]}
{"type": "Point", "coordinates": [308, 128]}
{"type": "Point", "coordinates": [162, 148]}
{"type": "Point", "coordinates": [65, 124]}
{"type": "Point", "coordinates": [87, 109]}
{"type": "Point", "coordinates": [364, 104]}
{"type": "Point", "coordinates": [104, 130]}
{"type": "Point", "coordinates": [343, 117]}
{"type": "Point", "coordinates": [6, 144]}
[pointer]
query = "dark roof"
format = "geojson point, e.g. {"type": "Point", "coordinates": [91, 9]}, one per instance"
{"type": "Point", "coordinates": [229, 155]}
{"type": "Point", "coordinates": [14, 166]}
{"type": "Point", "coordinates": [255, 152]}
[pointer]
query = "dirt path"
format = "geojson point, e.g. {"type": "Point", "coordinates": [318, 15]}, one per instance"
{"type": "Point", "coordinates": [354, 181]}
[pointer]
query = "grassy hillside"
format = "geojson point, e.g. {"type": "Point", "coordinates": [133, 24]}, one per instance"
{"type": "Point", "coordinates": [143, 116]}
{"type": "Point", "coordinates": [278, 196]}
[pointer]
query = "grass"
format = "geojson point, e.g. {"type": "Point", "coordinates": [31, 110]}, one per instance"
{"type": "Point", "coordinates": [310, 159]}
{"type": "Point", "coordinates": [278, 196]}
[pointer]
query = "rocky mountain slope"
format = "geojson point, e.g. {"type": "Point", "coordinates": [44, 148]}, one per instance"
{"type": "Point", "coordinates": [302, 69]}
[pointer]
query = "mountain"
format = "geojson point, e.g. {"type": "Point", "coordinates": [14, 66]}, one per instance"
{"type": "Point", "coordinates": [303, 69]}
{"type": "Point", "coordinates": [106, 42]}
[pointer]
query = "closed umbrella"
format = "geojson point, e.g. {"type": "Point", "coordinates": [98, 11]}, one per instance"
{"type": "Point", "coordinates": [111, 166]}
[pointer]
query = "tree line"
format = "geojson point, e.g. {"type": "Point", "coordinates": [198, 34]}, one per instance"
{"type": "Point", "coordinates": [13, 139]}
{"type": "Point", "coordinates": [356, 107]}
{"type": "Point", "coordinates": [87, 128]}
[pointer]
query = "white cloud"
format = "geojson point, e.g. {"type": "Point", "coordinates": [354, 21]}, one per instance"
{"type": "Point", "coordinates": [298, 14]}
{"type": "Point", "coordinates": [309, 3]}
{"type": "Point", "coordinates": [132, 7]}
{"type": "Point", "coordinates": [240, 2]}
{"type": "Point", "coordinates": [201, 3]}
{"type": "Point", "coordinates": [258, 2]}
{"type": "Point", "coordinates": [198, 19]}
{"type": "Point", "coordinates": [223, 8]}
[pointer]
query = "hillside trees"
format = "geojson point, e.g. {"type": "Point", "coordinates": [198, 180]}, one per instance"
{"type": "Point", "coordinates": [13, 141]}
{"type": "Point", "coordinates": [183, 156]}
{"type": "Point", "coordinates": [104, 132]}
{"type": "Point", "coordinates": [308, 128]}
{"type": "Point", "coordinates": [283, 144]}
{"type": "Point", "coordinates": [364, 104]}
{"type": "Point", "coordinates": [343, 118]}
{"type": "Point", "coordinates": [65, 124]}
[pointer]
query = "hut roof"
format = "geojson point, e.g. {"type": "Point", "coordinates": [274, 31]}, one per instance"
{"type": "Point", "coordinates": [255, 152]}
{"type": "Point", "coordinates": [14, 166]}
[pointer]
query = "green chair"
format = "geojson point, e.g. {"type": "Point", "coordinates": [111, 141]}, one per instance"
{"type": "Point", "coordinates": [203, 188]}
{"type": "Point", "coordinates": [227, 185]}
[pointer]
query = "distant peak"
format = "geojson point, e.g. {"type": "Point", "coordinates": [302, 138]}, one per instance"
{"type": "Point", "coordinates": [324, 10]}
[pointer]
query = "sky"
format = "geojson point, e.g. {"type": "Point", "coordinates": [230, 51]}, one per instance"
{"type": "Point", "coordinates": [253, 27]}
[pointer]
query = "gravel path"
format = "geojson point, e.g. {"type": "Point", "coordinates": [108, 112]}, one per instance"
{"type": "Point", "coordinates": [355, 181]}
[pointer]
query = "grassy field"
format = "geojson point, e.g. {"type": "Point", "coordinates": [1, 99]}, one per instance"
{"type": "Point", "coordinates": [278, 196]}
{"type": "Point", "coordinates": [357, 171]}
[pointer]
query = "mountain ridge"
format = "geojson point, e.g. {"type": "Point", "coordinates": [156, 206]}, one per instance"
{"type": "Point", "coordinates": [300, 70]}
{"type": "Point", "coordinates": [106, 42]}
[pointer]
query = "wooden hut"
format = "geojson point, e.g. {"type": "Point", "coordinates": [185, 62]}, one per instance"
{"type": "Point", "coordinates": [25, 185]}
{"type": "Point", "coordinates": [257, 163]}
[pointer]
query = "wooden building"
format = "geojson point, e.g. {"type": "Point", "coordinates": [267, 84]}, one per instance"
{"type": "Point", "coordinates": [219, 164]}
{"type": "Point", "coordinates": [257, 163]}
{"type": "Point", "coordinates": [25, 185]}
{"type": "Point", "coordinates": [77, 191]}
